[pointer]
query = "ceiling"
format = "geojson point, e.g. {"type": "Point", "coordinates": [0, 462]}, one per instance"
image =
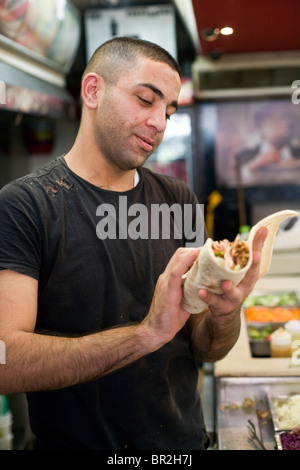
{"type": "Point", "coordinates": [259, 25]}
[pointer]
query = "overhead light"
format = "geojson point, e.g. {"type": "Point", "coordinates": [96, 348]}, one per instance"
{"type": "Point", "coordinates": [226, 31]}
{"type": "Point", "coordinates": [211, 34]}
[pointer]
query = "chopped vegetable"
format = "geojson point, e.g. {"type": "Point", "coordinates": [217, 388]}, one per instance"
{"type": "Point", "coordinates": [260, 333]}
{"type": "Point", "coordinates": [267, 315]}
{"type": "Point", "coordinates": [219, 253]}
{"type": "Point", "coordinates": [286, 299]}
{"type": "Point", "coordinates": [291, 440]}
{"type": "Point", "coordinates": [288, 411]}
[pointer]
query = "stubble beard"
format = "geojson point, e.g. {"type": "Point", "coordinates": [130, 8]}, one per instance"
{"type": "Point", "coordinates": [119, 152]}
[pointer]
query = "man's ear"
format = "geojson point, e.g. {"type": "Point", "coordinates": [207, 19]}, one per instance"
{"type": "Point", "coordinates": [90, 86]}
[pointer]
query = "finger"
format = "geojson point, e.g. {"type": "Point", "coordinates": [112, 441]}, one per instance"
{"type": "Point", "coordinates": [259, 239]}
{"type": "Point", "coordinates": [237, 294]}
{"type": "Point", "coordinates": [222, 303]}
{"type": "Point", "coordinates": [232, 293]}
{"type": "Point", "coordinates": [180, 263]}
{"type": "Point", "coordinates": [258, 242]}
{"type": "Point", "coordinates": [183, 259]}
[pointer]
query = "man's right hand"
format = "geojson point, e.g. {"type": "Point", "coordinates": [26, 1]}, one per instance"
{"type": "Point", "coordinates": [166, 315]}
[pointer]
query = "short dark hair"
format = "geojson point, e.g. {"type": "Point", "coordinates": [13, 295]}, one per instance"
{"type": "Point", "coordinates": [119, 54]}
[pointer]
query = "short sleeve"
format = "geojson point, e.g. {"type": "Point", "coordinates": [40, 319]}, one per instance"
{"type": "Point", "coordinates": [20, 231]}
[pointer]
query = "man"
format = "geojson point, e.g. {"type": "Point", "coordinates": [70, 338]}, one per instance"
{"type": "Point", "coordinates": [277, 151]}
{"type": "Point", "coordinates": [93, 325]}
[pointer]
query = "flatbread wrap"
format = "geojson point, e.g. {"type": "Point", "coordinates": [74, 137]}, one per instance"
{"type": "Point", "coordinates": [219, 261]}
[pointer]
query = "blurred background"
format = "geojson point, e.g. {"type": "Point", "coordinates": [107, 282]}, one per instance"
{"type": "Point", "coordinates": [235, 138]}
{"type": "Point", "coordinates": [239, 60]}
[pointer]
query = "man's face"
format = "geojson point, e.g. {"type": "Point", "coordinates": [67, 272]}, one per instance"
{"type": "Point", "coordinates": [276, 130]}
{"type": "Point", "coordinates": [132, 115]}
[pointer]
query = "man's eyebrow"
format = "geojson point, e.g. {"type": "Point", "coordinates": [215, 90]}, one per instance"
{"type": "Point", "coordinates": [158, 93]}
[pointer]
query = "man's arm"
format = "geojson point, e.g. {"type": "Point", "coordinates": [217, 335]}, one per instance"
{"type": "Point", "coordinates": [43, 362]}
{"type": "Point", "coordinates": [215, 330]}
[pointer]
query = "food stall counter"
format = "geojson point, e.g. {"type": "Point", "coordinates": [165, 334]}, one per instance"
{"type": "Point", "coordinates": [239, 361]}
{"type": "Point", "coordinates": [242, 383]}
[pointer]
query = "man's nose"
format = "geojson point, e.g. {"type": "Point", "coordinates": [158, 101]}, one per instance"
{"type": "Point", "coordinates": [157, 119]}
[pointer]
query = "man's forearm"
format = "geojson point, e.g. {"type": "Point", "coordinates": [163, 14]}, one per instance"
{"type": "Point", "coordinates": [41, 362]}
{"type": "Point", "coordinates": [213, 335]}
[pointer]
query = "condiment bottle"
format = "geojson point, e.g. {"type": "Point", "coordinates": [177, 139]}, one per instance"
{"type": "Point", "coordinates": [281, 341]}
{"type": "Point", "coordinates": [244, 232]}
{"type": "Point", "coordinates": [293, 327]}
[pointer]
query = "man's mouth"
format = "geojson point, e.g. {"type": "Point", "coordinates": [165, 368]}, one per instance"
{"type": "Point", "coordinates": [145, 142]}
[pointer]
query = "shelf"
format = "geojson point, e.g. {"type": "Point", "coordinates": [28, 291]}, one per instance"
{"type": "Point", "coordinates": [30, 62]}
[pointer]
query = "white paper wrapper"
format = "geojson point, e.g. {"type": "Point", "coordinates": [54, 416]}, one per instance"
{"type": "Point", "coordinates": [207, 272]}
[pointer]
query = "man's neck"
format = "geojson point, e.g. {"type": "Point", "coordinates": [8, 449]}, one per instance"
{"type": "Point", "coordinates": [99, 172]}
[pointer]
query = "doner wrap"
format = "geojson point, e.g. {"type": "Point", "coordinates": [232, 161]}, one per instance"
{"type": "Point", "coordinates": [224, 260]}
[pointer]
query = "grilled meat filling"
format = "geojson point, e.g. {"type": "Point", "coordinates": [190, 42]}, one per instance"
{"type": "Point", "coordinates": [233, 255]}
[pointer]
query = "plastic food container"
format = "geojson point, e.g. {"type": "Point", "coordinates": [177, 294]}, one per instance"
{"type": "Point", "coordinates": [281, 342]}
{"type": "Point", "coordinates": [293, 327]}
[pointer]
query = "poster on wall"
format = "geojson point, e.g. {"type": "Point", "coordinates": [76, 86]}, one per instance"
{"type": "Point", "coordinates": [258, 142]}
{"type": "Point", "coordinates": [155, 23]}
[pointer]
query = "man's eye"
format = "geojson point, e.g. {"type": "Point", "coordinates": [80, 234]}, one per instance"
{"type": "Point", "coordinates": [144, 101]}
{"type": "Point", "coordinates": [168, 117]}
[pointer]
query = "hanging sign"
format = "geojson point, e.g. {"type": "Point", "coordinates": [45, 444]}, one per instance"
{"type": "Point", "coordinates": [152, 23]}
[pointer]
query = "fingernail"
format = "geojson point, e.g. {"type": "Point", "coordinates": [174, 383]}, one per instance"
{"type": "Point", "coordinates": [202, 293]}
{"type": "Point", "coordinates": [226, 285]}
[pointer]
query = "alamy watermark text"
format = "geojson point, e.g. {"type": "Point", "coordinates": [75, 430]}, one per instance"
{"type": "Point", "coordinates": [296, 93]}
{"type": "Point", "coordinates": [2, 352]}
{"type": "Point", "coordinates": [160, 221]}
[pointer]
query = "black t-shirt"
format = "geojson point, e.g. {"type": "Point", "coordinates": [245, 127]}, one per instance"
{"type": "Point", "coordinates": [93, 274]}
